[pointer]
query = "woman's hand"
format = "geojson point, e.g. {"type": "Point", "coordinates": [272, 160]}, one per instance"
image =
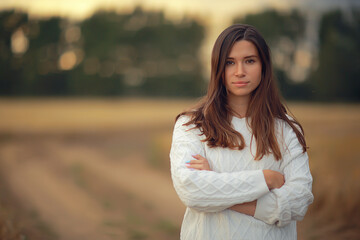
{"type": "Point", "coordinates": [273, 179]}
{"type": "Point", "coordinates": [200, 163]}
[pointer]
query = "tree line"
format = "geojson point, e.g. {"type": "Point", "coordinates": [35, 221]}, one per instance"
{"type": "Point", "coordinates": [144, 54]}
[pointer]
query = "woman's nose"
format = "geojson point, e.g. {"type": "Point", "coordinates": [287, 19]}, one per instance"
{"type": "Point", "coordinates": [240, 71]}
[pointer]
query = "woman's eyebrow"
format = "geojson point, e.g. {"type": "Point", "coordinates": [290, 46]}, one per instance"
{"type": "Point", "coordinates": [250, 56]}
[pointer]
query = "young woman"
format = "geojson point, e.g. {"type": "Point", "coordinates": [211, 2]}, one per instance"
{"type": "Point", "coordinates": [238, 161]}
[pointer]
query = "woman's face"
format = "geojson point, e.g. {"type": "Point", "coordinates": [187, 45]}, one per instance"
{"type": "Point", "coordinates": [242, 70]}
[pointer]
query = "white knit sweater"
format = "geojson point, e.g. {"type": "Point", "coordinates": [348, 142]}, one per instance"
{"type": "Point", "coordinates": [237, 178]}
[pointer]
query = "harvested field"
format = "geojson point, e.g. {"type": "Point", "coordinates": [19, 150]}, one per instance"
{"type": "Point", "coordinates": [99, 169]}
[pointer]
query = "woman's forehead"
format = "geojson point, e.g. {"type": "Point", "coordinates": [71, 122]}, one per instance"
{"type": "Point", "coordinates": [242, 49]}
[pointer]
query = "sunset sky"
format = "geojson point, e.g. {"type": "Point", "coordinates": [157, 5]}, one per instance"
{"type": "Point", "coordinates": [205, 9]}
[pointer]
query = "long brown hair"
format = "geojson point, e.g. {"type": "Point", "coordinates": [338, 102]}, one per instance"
{"type": "Point", "coordinates": [212, 115]}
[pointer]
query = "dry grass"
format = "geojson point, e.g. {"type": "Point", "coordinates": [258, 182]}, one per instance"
{"type": "Point", "coordinates": [84, 115]}
{"type": "Point", "coordinates": [332, 132]}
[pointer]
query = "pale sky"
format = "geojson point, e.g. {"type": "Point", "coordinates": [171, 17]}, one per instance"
{"type": "Point", "coordinates": [205, 9]}
{"type": "Point", "coordinates": [173, 8]}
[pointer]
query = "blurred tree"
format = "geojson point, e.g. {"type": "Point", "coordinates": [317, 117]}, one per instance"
{"type": "Point", "coordinates": [143, 53]}
{"type": "Point", "coordinates": [337, 77]}
{"type": "Point", "coordinates": [140, 53]}
{"type": "Point", "coordinates": [29, 55]}
{"type": "Point", "coordinates": [10, 22]}
{"type": "Point", "coordinates": [274, 25]}
{"type": "Point", "coordinates": [40, 75]}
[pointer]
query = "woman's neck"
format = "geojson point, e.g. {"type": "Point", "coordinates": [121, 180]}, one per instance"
{"type": "Point", "coordinates": [238, 105]}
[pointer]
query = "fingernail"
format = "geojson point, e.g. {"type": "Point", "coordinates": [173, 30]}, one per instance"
{"type": "Point", "coordinates": [194, 155]}
{"type": "Point", "coordinates": [187, 161]}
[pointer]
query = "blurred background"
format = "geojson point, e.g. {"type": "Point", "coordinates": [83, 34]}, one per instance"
{"type": "Point", "coordinates": [89, 91]}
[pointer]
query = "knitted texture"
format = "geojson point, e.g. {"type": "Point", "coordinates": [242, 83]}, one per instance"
{"type": "Point", "coordinates": [237, 178]}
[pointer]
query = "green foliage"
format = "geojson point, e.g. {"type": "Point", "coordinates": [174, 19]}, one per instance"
{"type": "Point", "coordinates": [10, 21]}
{"type": "Point", "coordinates": [140, 53]}
{"type": "Point", "coordinates": [273, 24]}
{"type": "Point", "coordinates": [144, 54]}
{"type": "Point", "coordinates": [338, 74]}
{"type": "Point", "coordinates": [48, 32]}
{"type": "Point", "coordinates": [148, 50]}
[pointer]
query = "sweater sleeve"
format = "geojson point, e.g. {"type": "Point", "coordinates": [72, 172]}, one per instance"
{"type": "Point", "coordinates": [291, 201]}
{"type": "Point", "coordinates": [208, 191]}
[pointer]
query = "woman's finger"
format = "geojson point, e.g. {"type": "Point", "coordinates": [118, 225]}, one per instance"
{"type": "Point", "coordinates": [201, 164]}
{"type": "Point", "coordinates": [197, 166]}
{"type": "Point", "coordinates": [198, 157]}
{"type": "Point", "coordinates": [195, 161]}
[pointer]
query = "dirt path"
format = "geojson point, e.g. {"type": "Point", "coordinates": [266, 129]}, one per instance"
{"type": "Point", "coordinates": [83, 194]}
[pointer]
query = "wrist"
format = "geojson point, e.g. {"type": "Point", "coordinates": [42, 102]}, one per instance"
{"type": "Point", "coordinates": [267, 176]}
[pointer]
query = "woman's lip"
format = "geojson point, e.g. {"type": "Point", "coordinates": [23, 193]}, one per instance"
{"type": "Point", "coordinates": [240, 83]}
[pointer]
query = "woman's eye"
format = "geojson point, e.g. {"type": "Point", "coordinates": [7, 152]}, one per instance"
{"type": "Point", "coordinates": [229, 62]}
{"type": "Point", "coordinates": [250, 61]}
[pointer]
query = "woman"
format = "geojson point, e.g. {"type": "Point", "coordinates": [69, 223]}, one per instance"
{"type": "Point", "coordinates": [238, 161]}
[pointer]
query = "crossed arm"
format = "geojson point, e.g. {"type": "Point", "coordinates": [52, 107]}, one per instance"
{"type": "Point", "coordinates": [273, 180]}
{"type": "Point", "coordinates": [264, 194]}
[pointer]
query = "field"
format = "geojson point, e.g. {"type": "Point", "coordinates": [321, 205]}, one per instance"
{"type": "Point", "coordinates": [99, 169]}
